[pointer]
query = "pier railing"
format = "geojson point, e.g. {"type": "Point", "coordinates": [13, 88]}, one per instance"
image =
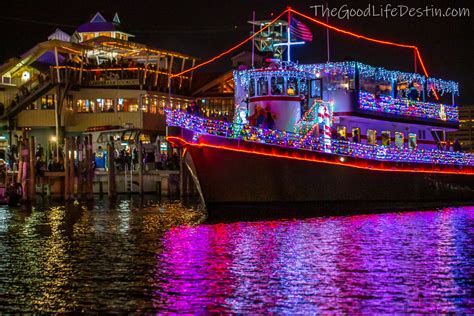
{"type": "Point", "coordinates": [202, 126]}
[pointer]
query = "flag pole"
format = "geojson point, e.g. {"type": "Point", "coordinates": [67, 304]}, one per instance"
{"type": "Point", "coordinates": [327, 35]}
{"type": "Point", "coordinates": [289, 34]}
{"type": "Point", "coordinates": [253, 41]}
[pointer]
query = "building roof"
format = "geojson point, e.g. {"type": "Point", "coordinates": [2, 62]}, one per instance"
{"type": "Point", "coordinates": [97, 27]}
{"type": "Point", "coordinates": [99, 24]}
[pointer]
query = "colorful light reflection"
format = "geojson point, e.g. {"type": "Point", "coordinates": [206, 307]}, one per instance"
{"type": "Point", "coordinates": [390, 263]}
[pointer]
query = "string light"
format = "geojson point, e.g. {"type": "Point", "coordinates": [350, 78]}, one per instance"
{"type": "Point", "coordinates": [379, 73]}
{"type": "Point", "coordinates": [312, 156]}
{"type": "Point", "coordinates": [405, 107]}
{"type": "Point", "coordinates": [201, 126]}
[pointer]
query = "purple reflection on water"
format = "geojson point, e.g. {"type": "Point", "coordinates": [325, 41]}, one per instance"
{"type": "Point", "coordinates": [388, 263]}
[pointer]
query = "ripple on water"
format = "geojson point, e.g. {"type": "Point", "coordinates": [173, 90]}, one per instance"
{"type": "Point", "coordinates": [135, 256]}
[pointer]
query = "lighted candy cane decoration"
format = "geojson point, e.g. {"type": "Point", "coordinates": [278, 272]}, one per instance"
{"type": "Point", "coordinates": [325, 118]}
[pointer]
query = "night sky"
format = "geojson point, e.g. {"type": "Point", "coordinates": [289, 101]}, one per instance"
{"type": "Point", "coordinates": [204, 28]}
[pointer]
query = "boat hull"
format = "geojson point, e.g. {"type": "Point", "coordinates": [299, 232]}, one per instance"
{"type": "Point", "coordinates": [228, 177]}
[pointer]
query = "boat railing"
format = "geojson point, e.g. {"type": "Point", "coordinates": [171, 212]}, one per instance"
{"type": "Point", "coordinates": [406, 107]}
{"type": "Point", "coordinates": [203, 126]}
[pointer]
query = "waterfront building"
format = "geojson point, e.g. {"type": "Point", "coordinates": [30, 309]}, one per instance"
{"type": "Point", "coordinates": [465, 134]}
{"type": "Point", "coordinates": [95, 79]}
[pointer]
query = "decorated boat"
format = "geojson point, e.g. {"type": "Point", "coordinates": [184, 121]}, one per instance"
{"type": "Point", "coordinates": [327, 133]}
{"type": "Point", "coordinates": [331, 133]}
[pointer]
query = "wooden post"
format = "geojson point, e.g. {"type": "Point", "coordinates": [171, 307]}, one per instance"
{"type": "Point", "coordinates": [182, 175]}
{"type": "Point", "coordinates": [20, 161]}
{"type": "Point", "coordinates": [140, 167]}
{"type": "Point", "coordinates": [80, 167]}
{"type": "Point", "coordinates": [25, 153]}
{"type": "Point", "coordinates": [90, 169]}
{"type": "Point", "coordinates": [191, 75]}
{"type": "Point", "coordinates": [82, 67]}
{"type": "Point", "coordinates": [181, 77]}
{"type": "Point", "coordinates": [158, 62]}
{"type": "Point", "coordinates": [111, 168]}
{"type": "Point", "coordinates": [32, 186]}
{"type": "Point", "coordinates": [66, 169]}
{"type": "Point", "coordinates": [72, 142]}
{"type": "Point", "coordinates": [170, 71]}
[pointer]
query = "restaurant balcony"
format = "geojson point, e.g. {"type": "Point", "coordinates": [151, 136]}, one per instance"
{"type": "Point", "coordinates": [137, 77]}
{"type": "Point", "coordinates": [78, 122]}
{"type": "Point", "coordinates": [36, 118]}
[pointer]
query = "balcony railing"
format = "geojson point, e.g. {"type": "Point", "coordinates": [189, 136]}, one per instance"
{"type": "Point", "coordinates": [118, 76]}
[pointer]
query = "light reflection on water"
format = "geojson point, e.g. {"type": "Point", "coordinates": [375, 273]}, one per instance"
{"type": "Point", "coordinates": [125, 257]}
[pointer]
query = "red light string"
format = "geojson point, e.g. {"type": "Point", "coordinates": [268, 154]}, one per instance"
{"type": "Point", "coordinates": [290, 10]}
{"type": "Point", "coordinates": [231, 49]}
{"type": "Point", "coordinates": [370, 39]}
{"type": "Point", "coordinates": [182, 141]}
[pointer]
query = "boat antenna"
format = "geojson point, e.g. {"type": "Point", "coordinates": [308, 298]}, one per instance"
{"type": "Point", "coordinates": [253, 40]}
{"type": "Point", "coordinates": [327, 35]}
{"type": "Point", "coordinates": [288, 32]}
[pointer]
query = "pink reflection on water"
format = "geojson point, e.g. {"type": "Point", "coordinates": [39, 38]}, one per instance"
{"type": "Point", "coordinates": [388, 263]}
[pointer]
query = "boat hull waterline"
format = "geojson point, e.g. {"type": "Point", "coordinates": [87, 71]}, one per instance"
{"type": "Point", "coordinates": [233, 172]}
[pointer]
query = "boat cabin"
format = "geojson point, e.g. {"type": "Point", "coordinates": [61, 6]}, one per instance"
{"type": "Point", "coordinates": [368, 104]}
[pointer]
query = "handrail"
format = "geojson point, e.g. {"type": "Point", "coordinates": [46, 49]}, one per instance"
{"type": "Point", "coordinates": [340, 147]}
{"type": "Point", "coordinates": [111, 69]}
{"type": "Point", "coordinates": [406, 107]}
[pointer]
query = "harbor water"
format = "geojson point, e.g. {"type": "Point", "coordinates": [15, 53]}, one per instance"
{"type": "Point", "coordinates": [146, 256]}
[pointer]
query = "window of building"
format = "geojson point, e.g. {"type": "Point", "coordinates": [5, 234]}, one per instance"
{"type": "Point", "coordinates": [342, 132]}
{"type": "Point", "coordinates": [103, 105]}
{"type": "Point", "coordinates": [399, 140]}
{"type": "Point", "coordinates": [48, 102]}
{"type": "Point", "coordinates": [292, 86]}
{"type": "Point", "coordinates": [278, 85]}
{"type": "Point", "coordinates": [127, 105]}
{"type": "Point", "coordinates": [372, 137]}
{"type": "Point", "coordinates": [145, 138]}
{"type": "Point", "coordinates": [87, 36]}
{"type": "Point", "coordinates": [386, 138]}
{"type": "Point", "coordinates": [108, 105]}
{"type": "Point", "coordinates": [356, 135]}
{"type": "Point", "coordinates": [252, 87]}
{"type": "Point", "coordinates": [412, 144]}
{"type": "Point", "coordinates": [262, 86]}
{"type": "Point", "coordinates": [108, 34]}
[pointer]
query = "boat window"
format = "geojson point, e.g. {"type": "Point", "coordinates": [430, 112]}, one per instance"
{"type": "Point", "coordinates": [145, 138]}
{"type": "Point", "coordinates": [316, 89]}
{"type": "Point", "coordinates": [262, 86]}
{"type": "Point", "coordinates": [278, 85]}
{"type": "Point", "coordinates": [385, 138]}
{"type": "Point", "coordinates": [252, 87]}
{"type": "Point", "coordinates": [376, 87]}
{"type": "Point", "coordinates": [421, 134]}
{"type": "Point", "coordinates": [372, 136]}
{"type": "Point", "coordinates": [292, 86]}
{"type": "Point", "coordinates": [412, 141]}
{"type": "Point", "coordinates": [356, 135]}
{"type": "Point", "coordinates": [342, 132]}
{"type": "Point", "coordinates": [399, 140]}
{"type": "Point", "coordinates": [127, 136]}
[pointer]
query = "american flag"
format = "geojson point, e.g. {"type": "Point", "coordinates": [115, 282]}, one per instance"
{"type": "Point", "coordinates": [300, 31]}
